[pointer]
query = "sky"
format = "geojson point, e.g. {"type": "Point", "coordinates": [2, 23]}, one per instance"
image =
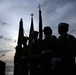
{"type": "Point", "coordinates": [11, 11]}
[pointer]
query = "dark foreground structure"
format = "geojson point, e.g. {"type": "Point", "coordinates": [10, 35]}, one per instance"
{"type": "Point", "coordinates": [49, 56]}
{"type": "Point", "coordinates": [2, 67]}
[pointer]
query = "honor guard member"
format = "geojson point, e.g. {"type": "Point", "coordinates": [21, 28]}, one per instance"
{"type": "Point", "coordinates": [48, 50]}
{"type": "Point", "coordinates": [35, 54]}
{"type": "Point", "coordinates": [67, 49]}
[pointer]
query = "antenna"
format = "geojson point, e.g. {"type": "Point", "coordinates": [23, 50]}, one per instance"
{"type": "Point", "coordinates": [39, 7]}
{"type": "Point", "coordinates": [2, 56]}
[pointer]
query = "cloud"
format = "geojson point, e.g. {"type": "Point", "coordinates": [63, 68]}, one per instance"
{"type": "Point", "coordinates": [3, 23]}
{"type": "Point", "coordinates": [72, 31]}
{"type": "Point", "coordinates": [53, 12]}
{"type": "Point", "coordinates": [8, 39]}
{"type": "Point", "coordinates": [1, 37]}
{"type": "Point", "coordinates": [15, 41]}
{"type": "Point", "coordinates": [5, 38]}
{"type": "Point", "coordinates": [57, 2]}
{"type": "Point", "coordinates": [57, 11]}
{"type": "Point", "coordinates": [4, 51]}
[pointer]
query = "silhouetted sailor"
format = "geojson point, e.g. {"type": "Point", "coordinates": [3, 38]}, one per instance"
{"type": "Point", "coordinates": [49, 45]}
{"type": "Point", "coordinates": [35, 54]}
{"type": "Point", "coordinates": [34, 43]}
{"type": "Point", "coordinates": [24, 58]}
{"type": "Point", "coordinates": [67, 49]}
{"type": "Point", "coordinates": [50, 40]}
{"type": "Point", "coordinates": [21, 64]}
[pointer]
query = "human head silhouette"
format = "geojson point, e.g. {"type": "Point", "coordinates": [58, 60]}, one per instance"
{"type": "Point", "coordinates": [47, 30]}
{"type": "Point", "coordinates": [34, 34]}
{"type": "Point", "coordinates": [63, 28]}
{"type": "Point", "coordinates": [24, 40]}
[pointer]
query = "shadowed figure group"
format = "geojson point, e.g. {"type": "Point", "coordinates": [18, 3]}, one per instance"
{"type": "Point", "coordinates": [51, 55]}
{"type": "Point", "coordinates": [56, 55]}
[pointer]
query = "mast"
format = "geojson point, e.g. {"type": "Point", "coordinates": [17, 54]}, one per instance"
{"type": "Point", "coordinates": [30, 40]}
{"type": "Point", "coordinates": [40, 23]}
{"type": "Point", "coordinates": [32, 25]}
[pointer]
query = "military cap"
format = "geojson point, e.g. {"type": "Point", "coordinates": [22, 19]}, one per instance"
{"type": "Point", "coordinates": [34, 33]}
{"type": "Point", "coordinates": [47, 29]}
{"type": "Point", "coordinates": [65, 25]}
{"type": "Point", "coordinates": [63, 28]}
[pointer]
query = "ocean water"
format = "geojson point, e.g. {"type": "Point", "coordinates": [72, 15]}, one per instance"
{"type": "Point", "coordinates": [9, 70]}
